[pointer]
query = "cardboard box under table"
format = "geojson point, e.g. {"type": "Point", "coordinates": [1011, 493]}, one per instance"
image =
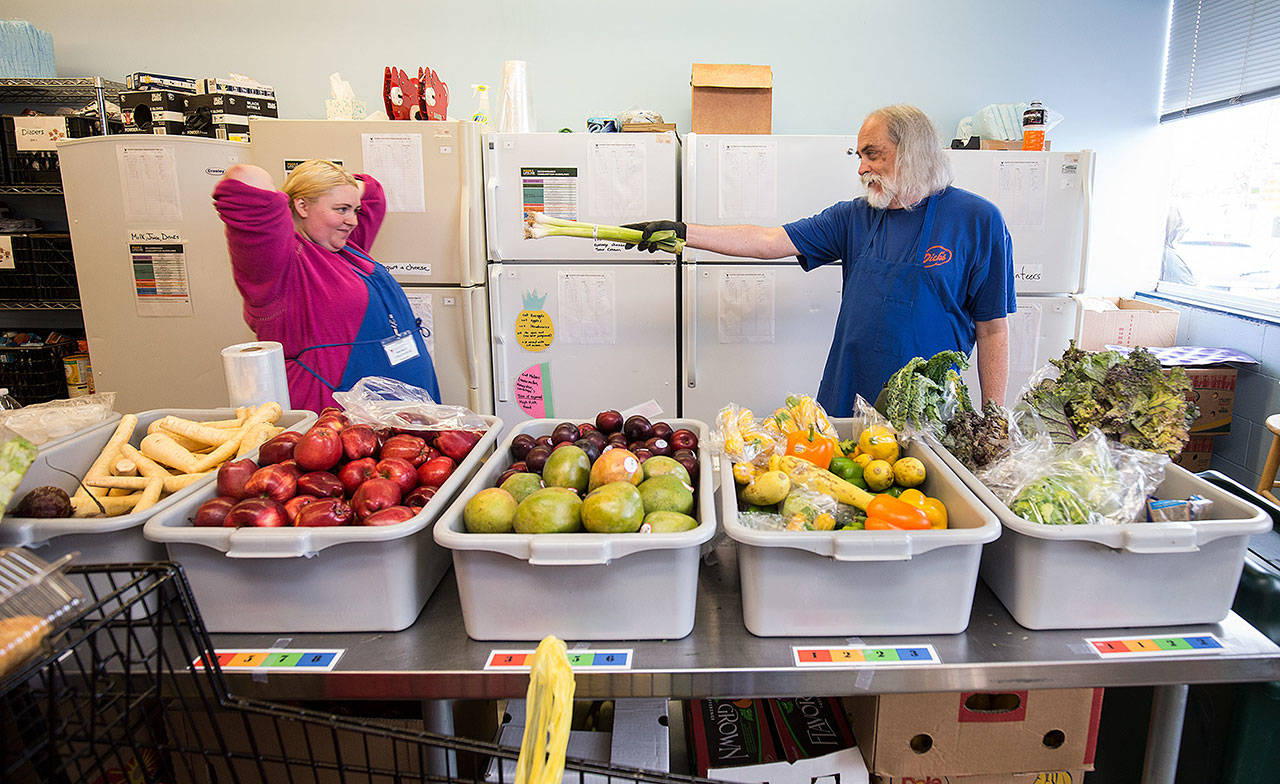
{"type": "Point", "coordinates": [348, 578]}
{"type": "Point", "coordinates": [578, 586]}
{"type": "Point", "coordinates": [905, 582]}
{"type": "Point", "coordinates": [731, 98]}
{"type": "Point", "coordinates": [1128, 574]}
{"type": "Point", "coordinates": [919, 737]}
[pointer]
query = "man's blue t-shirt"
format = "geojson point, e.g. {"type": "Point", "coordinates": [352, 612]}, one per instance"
{"type": "Point", "coordinates": [897, 305]}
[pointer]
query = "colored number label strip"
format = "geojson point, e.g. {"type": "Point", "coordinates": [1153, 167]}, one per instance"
{"type": "Point", "coordinates": [865, 656]}
{"type": "Point", "coordinates": [302, 660]}
{"type": "Point", "coordinates": [1134, 647]}
{"type": "Point", "coordinates": [518, 661]}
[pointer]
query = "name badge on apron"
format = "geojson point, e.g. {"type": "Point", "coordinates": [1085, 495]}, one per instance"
{"type": "Point", "coordinates": [400, 348]}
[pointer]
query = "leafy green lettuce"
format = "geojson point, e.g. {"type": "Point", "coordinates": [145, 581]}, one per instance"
{"type": "Point", "coordinates": [1130, 398]}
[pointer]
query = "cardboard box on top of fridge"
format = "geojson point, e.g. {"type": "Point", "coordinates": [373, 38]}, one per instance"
{"type": "Point", "coordinates": [1075, 776]}
{"type": "Point", "coordinates": [907, 736]}
{"type": "Point", "coordinates": [1119, 321]}
{"type": "Point", "coordinates": [732, 98]}
{"type": "Point", "coordinates": [1001, 144]}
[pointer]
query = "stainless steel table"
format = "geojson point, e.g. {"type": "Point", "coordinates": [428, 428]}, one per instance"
{"type": "Point", "coordinates": [434, 659]}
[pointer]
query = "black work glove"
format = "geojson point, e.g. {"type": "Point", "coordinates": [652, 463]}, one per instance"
{"type": "Point", "coordinates": [652, 227]}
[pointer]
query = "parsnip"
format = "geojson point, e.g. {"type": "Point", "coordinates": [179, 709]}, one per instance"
{"type": "Point", "coordinates": [163, 449]}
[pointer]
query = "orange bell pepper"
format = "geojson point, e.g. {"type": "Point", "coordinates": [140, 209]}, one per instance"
{"type": "Point", "coordinates": [895, 514]}
{"type": "Point", "coordinates": [808, 445]}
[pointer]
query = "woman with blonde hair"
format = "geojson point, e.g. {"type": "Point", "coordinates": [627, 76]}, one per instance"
{"type": "Point", "coordinates": [300, 259]}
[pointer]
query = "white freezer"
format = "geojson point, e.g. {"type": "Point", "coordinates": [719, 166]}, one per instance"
{"type": "Point", "coordinates": [1041, 330]}
{"type": "Point", "coordinates": [610, 178]}
{"type": "Point", "coordinates": [754, 333]}
{"type": "Point", "coordinates": [1045, 199]}
{"type": "Point", "coordinates": [174, 235]}
{"type": "Point", "coordinates": [764, 180]}
{"type": "Point", "coordinates": [457, 319]}
{"type": "Point", "coordinates": [571, 340]}
{"type": "Point", "coordinates": [433, 233]}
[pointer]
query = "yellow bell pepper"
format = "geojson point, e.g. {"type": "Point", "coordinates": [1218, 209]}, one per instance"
{"type": "Point", "coordinates": [936, 512]}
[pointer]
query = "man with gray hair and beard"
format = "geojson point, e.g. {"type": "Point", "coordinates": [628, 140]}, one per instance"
{"type": "Point", "coordinates": [927, 267]}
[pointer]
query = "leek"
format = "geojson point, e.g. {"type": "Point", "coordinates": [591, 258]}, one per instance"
{"type": "Point", "coordinates": [538, 225]}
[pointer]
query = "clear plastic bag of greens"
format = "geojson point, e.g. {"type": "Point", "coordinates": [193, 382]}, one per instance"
{"type": "Point", "coordinates": [386, 402]}
{"type": "Point", "coordinates": [922, 395]}
{"type": "Point", "coordinates": [808, 510]}
{"type": "Point", "coordinates": [1092, 481]}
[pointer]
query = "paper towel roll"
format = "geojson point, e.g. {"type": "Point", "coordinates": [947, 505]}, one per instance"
{"type": "Point", "coordinates": [255, 374]}
{"type": "Point", "coordinates": [516, 115]}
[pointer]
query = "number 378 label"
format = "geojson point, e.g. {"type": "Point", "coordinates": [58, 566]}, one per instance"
{"type": "Point", "coordinates": [864, 656]}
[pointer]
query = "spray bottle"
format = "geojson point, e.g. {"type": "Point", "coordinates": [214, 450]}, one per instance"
{"type": "Point", "coordinates": [480, 94]}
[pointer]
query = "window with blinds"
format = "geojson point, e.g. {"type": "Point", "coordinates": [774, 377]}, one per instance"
{"type": "Point", "coordinates": [1220, 53]}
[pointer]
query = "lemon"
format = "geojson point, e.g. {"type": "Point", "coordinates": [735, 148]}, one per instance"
{"type": "Point", "coordinates": [909, 472]}
{"type": "Point", "coordinates": [878, 475]}
{"type": "Point", "coordinates": [862, 460]}
{"type": "Point", "coordinates": [880, 442]}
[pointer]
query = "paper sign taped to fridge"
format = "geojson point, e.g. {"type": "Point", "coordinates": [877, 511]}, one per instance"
{"type": "Point", "coordinates": [533, 391]}
{"type": "Point", "coordinates": [160, 283]}
{"type": "Point", "coordinates": [587, 306]}
{"type": "Point", "coordinates": [534, 329]}
{"type": "Point", "coordinates": [616, 177]}
{"type": "Point", "coordinates": [1020, 193]}
{"type": "Point", "coordinates": [149, 184]}
{"type": "Point", "coordinates": [746, 307]}
{"type": "Point", "coordinates": [409, 271]}
{"type": "Point", "coordinates": [552, 190]}
{"type": "Point", "coordinates": [395, 161]}
{"type": "Point", "coordinates": [748, 186]}
{"type": "Point", "coordinates": [420, 304]}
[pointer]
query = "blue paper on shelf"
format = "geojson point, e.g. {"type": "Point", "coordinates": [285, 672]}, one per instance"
{"type": "Point", "coordinates": [1193, 356]}
{"type": "Point", "coordinates": [26, 51]}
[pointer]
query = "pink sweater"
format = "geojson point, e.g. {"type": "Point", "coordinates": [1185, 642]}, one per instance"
{"type": "Point", "coordinates": [296, 292]}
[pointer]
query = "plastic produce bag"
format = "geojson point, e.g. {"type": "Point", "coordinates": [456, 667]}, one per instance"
{"type": "Point", "coordinates": [739, 437]}
{"type": "Point", "coordinates": [343, 104]}
{"type": "Point", "coordinates": [922, 395]}
{"type": "Point", "coordinates": [44, 422]}
{"type": "Point", "coordinates": [808, 510]}
{"type": "Point", "coordinates": [386, 402]}
{"type": "Point", "coordinates": [1092, 481]}
{"type": "Point", "coordinates": [1001, 121]}
{"type": "Point", "coordinates": [16, 456]}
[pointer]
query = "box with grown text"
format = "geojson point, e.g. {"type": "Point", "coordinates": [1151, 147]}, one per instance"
{"type": "Point", "coordinates": [1197, 454]}
{"type": "Point", "coordinates": [918, 736]}
{"type": "Point", "coordinates": [1214, 393]}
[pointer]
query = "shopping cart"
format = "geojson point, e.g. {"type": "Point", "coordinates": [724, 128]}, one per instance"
{"type": "Point", "coordinates": [116, 699]}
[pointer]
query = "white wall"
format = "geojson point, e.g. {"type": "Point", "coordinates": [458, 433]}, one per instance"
{"type": "Point", "coordinates": [1098, 62]}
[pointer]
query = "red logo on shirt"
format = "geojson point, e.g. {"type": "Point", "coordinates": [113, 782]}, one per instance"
{"type": "Point", "coordinates": [936, 256]}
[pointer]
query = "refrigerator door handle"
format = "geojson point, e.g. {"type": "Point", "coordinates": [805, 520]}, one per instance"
{"type": "Point", "coordinates": [690, 326]}
{"type": "Point", "coordinates": [499, 337]}
{"type": "Point", "coordinates": [490, 229]}
{"type": "Point", "coordinates": [1086, 182]}
{"type": "Point", "coordinates": [469, 337]}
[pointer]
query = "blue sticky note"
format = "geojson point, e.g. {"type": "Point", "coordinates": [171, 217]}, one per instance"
{"type": "Point", "coordinates": [1203, 642]}
{"type": "Point", "coordinates": [914, 654]}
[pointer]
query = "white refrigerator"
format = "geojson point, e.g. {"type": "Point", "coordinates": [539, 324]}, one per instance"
{"type": "Point", "coordinates": [1045, 199]}
{"type": "Point", "coordinates": [756, 331]}
{"type": "Point", "coordinates": [580, 325]}
{"type": "Point", "coordinates": [432, 239]}
{"type": "Point", "coordinates": [152, 265]}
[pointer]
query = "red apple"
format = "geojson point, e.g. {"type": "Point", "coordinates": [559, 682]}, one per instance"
{"type": "Point", "coordinates": [257, 513]}
{"type": "Point", "coordinates": [213, 513]}
{"type": "Point", "coordinates": [584, 428]}
{"type": "Point", "coordinates": [373, 495]}
{"type": "Point", "coordinates": [658, 446]}
{"type": "Point", "coordinates": [321, 484]}
{"type": "Point", "coordinates": [408, 447]}
{"type": "Point", "coordinates": [291, 466]}
{"type": "Point", "coordinates": [279, 448]}
{"type": "Point", "coordinates": [326, 512]}
{"type": "Point", "coordinates": [357, 472]}
{"type": "Point", "coordinates": [419, 497]}
{"type": "Point", "coordinates": [510, 472]}
{"type": "Point", "coordinates": [662, 430]}
{"type": "Point", "coordinates": [400, 471]}
{"type": "Point", "coordinates": [683, 439]}
{"type": "Point", "coordinates": [330, 410]}
{"type": "Point", "coordinates": [333, 419]}
{"type": "Point", "coordinates": [273, 481]}
{"type": "Point", "coordinates": [435, 471]}
{"type": "Point", "coordinates": [608, 421]}
{"type": "Point", "coordinates": [319, 449]}
{"type": "Point", "coordinates": [642, 453]}
{"type": "Point", "coordinates": [232, 477]}
{"type": "Point", "coordinates": [294, 505]}
{"type": "Point", "coordinates": [358, 441]}
{"type": "Point", "coordinates": [389, 516]}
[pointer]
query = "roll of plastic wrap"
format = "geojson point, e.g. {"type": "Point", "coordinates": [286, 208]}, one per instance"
{"type": "Point", "coordinates": [516, 115]}
{"type": "Point", "coordinates": [255, 374]}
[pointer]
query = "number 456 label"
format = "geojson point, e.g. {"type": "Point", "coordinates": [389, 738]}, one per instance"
{"type": "Point", "coordinates": [864, 656]}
